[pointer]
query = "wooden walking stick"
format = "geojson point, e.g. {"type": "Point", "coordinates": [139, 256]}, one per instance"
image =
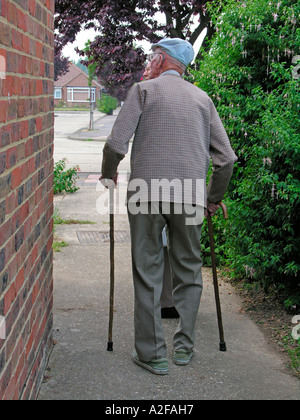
{"type": "Point", "coordinates": [110, 184]}
{"type": "Point", "coordinates": [215, 278]}
{"type": "Point", "coordinates": [112, 265]}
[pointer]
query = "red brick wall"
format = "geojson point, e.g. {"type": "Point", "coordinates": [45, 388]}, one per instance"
{"type": "Point", "coordinates": [26, 196]}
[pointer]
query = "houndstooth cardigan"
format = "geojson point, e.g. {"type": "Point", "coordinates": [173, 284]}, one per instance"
{"type": "Point", "coordinates": [176, 131]}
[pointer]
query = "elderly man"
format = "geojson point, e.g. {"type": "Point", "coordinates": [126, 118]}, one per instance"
{"type": "Point", "coordinates": [177, 131]}
{"type": "Point", "coordinates": [168, 309]}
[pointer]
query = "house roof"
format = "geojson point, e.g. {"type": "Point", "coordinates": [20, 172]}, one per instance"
{"type": "Point", "coordinates": [73, 72]}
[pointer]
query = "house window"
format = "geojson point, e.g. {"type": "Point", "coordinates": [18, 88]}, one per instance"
{"type": "Point", "coordinates": [81, 94]}
{"type": "Point", "coordinates": [57, 93]}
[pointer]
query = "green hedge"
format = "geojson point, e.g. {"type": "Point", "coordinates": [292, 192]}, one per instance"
{"type": "Point", "coordinates": [251, 78]}
{"type": "Point", "coordinates": [107, 104]}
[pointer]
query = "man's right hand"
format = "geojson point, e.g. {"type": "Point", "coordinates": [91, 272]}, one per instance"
{"type": "Point", "coordinates": [114, 179]}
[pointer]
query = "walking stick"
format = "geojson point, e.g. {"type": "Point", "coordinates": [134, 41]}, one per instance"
{"type": "Point", "coordinates": [109, 183]}
{"type": "Point", "coordinates": [112, 267]}
{"type": "Point", "coordinates": [215, 278]}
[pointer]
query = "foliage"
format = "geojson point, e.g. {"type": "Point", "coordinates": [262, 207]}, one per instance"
{"type": "Point", "coordinates": [293, 349]}
{"type": "Point", "coordinates": [220, 229]}
{"type": "Point", "coordinates": [119, 63]}
{"type": "Point", "coordinates": [58, 244]}
{"type": "Point", "coordinates": [58, 220]}
{"type": "Point", "coordinates": [64, 180]}
{"type": "Point", "coordinates": [61, 65]}
{"type": "Point", "coordinates": [249, 75]}
{"type": "Point", "coordinates": [107, 104]}
{"type": "Point", "coordinates": [82, 67]}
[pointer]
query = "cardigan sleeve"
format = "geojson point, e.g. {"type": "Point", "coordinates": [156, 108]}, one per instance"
{"type": "Point", "coordinates": [223, 158]}
{"type": "Point", "coordinates": [117, 144]}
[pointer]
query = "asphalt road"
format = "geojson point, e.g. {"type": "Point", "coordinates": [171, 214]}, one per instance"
{"type": "Point", "coordinates": [73, 141]}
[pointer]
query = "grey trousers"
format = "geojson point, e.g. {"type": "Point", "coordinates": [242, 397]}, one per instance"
{"type": "Point", "coordinates": [166, 299]}
{"type": "Point", "coordinates": [148, 270]}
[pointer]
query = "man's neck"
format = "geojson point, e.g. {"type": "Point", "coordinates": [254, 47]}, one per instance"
{"type": "Point", "coordinates": [171, 71]}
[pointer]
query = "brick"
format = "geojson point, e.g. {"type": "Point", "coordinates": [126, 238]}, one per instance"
{"type": "Point", "coordinates": [3, 285]}
{"type": "Point", "coordinates": [24, 129]}
{"type": "Point", "coordinates": [5, 185]}
{"type": "Point", "coordinates": [22, 20]}
{"type": "Point", "coordinates": [19, 239]}
{"type": "Point", "coordinates": [39, 87]}
{"type": "Point", "coordinates": [3, 111]}
{"type": "Point", "coordinates": [39, 50]}
{"type": "Point", "coordinates": [2, 162]}
{"type": "Point", "coordinates": [21, 151]}
{"type": "Point", "coordinates": [12, 13]}
{"type": "Point", "coordinates": [5, 34]}
{"type": "Point", "coordinates": [21, 108]}
{"type": "Point", "coordinates": [8, 86]}
{"type": "Point", "coordinates": [32, 7]}
{"type": "Point", "coordinates": [16, 40]}
{"type": "Point", "coordinates": [3, 8]}
{"type": "Point", "coordinates": [25, 87]}
{"type": "Point", "coordinates": [15, 132]}
{"type": "Point", "coordinates": [5, 137]}
{"type": "Point", "coordinates": [2, 211]}
{"type": "Point", "coordinates": [2, 259]}
{"type": "Point", "coordinates": [12, 109]}
{"type": "Point", "coordinates": [25, 44]}
{"type": "Point", "coordinates": [20, 195]}
{"type": "Point", "coordinates": [11, 59]}
{"type": "Point", "coordinates": [39, 124]}
{"type": "Point", "coordinates": [5, 231]}
{"type": "Point", "coordinates": [11, 157]}
{"type": "Point", "coordinates": [16, 177]}
{"type": "Point", "coordinates": [10, 203]}
{"type": "Point", "coordinates": [17, 86]}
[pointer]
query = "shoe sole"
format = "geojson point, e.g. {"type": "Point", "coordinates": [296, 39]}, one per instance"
{"type": "Point", "coordinates": [149, 367]}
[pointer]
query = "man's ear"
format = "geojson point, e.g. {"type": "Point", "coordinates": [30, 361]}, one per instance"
{"type": "Point", "coordinates": [160, 60]}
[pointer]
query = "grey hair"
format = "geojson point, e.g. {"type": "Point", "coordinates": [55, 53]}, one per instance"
{"type": "Point", "coordinates": [172, 59]}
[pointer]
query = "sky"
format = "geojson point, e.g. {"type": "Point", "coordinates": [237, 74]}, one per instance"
{"type": "Point", "coordinates": [85, 35]}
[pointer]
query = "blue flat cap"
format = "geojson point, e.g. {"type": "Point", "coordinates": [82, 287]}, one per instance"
{"type": "Point", "coordinates": [177, 48]}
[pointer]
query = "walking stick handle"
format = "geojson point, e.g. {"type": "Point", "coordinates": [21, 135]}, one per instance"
{"type": "Point", "coordinates": [224, 208]}
{"type": "Point", "coordinates": [108, 183]}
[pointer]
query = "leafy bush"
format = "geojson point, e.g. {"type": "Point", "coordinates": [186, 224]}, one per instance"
{"type": "Point", "coordinates": [64, 180]}
{"type": "Point", "coordinates": [107, 104]}
{"type": "Point", "coordinates": [249, 75]}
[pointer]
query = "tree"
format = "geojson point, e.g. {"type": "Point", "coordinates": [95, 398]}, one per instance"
{"type": "Point", "coordinates": [81, 66]}
{"type": "Point", "coordinates": [249, 72]}
{"type": "Point", "coordinates": [121, 24]}
{"type": "Point", "coordinates": [61, 64]}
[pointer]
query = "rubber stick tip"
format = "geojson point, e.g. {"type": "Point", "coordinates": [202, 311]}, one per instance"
{"type": "Point", "coordinates": [223, 346]}
{"type": "Point", "coordinates": [110, 346]}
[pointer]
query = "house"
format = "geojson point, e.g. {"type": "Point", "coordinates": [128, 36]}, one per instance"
{"type": "Point", "coordinates": [73, 89]}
